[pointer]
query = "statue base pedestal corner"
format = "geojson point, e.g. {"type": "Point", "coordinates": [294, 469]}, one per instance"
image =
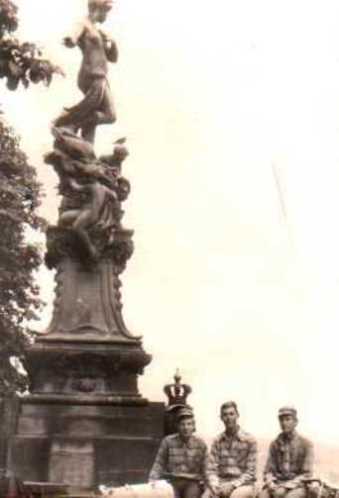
{"type": "Point", "coordinates": [85, 445]}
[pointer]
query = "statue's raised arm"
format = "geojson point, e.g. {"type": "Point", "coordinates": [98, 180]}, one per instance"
{"type": "Point", "coordinates": [73, 39]}
{"type": "Point", "coordinates": [97, 49]}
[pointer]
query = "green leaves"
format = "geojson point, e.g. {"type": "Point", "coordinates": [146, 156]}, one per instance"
{"type": "Point", "coordinates": [20, 62]}
{"type": "Point", "coordinates": [19, 299]}
{"type": "Point", "coordinates": [23, 63]}
{"type": "Point", "coordinates": [8, 17]}
{"type": "Point", "coordinates": [19, 293]}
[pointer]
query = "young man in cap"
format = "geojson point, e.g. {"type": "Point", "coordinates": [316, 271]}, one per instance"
{"type": "Point", "coordinates": [231, 468]}
{"type": "Point", "coordinates": [290, 461]}
{"type": "Point", "coordinates": [181, 459]}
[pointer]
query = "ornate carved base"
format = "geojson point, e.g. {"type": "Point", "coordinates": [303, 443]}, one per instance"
{"type": "Point", "coordinates": [88, 300]}
{"type": "Point", "coordinates": [105, 372]}
{"type": "Point", "coordinates": [85, 422]}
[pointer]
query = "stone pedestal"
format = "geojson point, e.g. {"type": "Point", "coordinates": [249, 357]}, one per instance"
{"type": "Point", "coordinates": [85, 422]}
{"type": "Point", "coordinates": [84, 444]}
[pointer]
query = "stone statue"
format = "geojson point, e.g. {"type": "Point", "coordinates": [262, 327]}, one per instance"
{"type": "Point", "coordinates": [98, 209]}
{"type": "Point", "coordinates": [97, 49]}
{"type": "Point", "coordinates": [92, 188]}
{"type": "Point", "coordinates": [84, 368]}
{"type": "Point", "coordinates": [92, 191]}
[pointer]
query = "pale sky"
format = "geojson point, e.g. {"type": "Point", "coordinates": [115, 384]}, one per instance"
{"type": "Point", "coordinates": [213, 97]}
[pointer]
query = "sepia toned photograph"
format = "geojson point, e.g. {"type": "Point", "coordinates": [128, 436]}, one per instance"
{"type": "Point", "coordinates": [169, 251]}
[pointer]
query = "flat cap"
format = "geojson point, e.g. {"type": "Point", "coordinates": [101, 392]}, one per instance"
{"type": "Point", "coordinates": [185, 413]}
{"type": "Point", "coordinates": [287, 410]}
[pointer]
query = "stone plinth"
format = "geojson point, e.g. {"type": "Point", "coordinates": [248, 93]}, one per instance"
{"type": "Point", "coordinates": [84, 444]}
{"type": "Point", "coordinates": [102, 372]}
{"type": "Point", "coordinates": [87, 305]}
{"type": "Point", "coordinates": [85, 422]}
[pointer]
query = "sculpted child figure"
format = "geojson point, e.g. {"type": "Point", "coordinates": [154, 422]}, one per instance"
{"type": "Point", "coordinates": [97, 49]}
{"type": "Point", "coordinates": [92, 190]}
{"type": "Point", "coordinates": [97, 210]}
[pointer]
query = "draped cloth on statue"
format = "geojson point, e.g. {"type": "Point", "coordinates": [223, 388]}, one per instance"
{"type": "Point", "coordinates": [96, 95]}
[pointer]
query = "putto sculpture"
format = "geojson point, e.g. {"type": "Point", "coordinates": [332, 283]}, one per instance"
{"type": "Point", "coordinates": [92, 191]}
{"type": "Point", "coordinates": [97, 49]}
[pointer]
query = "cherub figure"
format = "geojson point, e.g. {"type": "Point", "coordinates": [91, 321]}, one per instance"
{"type": "Point", "coordinates": [97, 211]}
{"type": "Point", "coordinates": [92, 190]}
{"type": "Point", "coordinates": [97, 49]}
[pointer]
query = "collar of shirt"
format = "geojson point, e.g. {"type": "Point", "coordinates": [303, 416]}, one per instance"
{"type": "Point", "coordinates": [188, 444]}
{"type": "Point", "coordinates": [284, 443]}
{"type": "Point", "coordinates": [286, 438]}
{"type": "Point", "coordinates": [240, 435]}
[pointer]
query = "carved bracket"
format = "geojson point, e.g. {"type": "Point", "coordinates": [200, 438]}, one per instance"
{"type": "Point", "coordinates": [62, 371]}
{"type": "Point", "coordinates": [63, 243]}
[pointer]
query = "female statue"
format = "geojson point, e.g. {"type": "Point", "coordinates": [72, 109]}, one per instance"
{"type": "Point", "coordinates": [97, 49]}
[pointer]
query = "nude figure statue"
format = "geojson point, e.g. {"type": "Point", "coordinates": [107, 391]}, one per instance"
{"type": "Point", "coordinates": [97, 49]}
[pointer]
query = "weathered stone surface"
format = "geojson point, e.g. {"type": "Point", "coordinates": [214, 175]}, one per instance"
{"type": "Point", "coordinates": [98, 370]}
{"type": "Point", "coordinates": [88, 303]}
{"type": "Point", "coordinates": [86, 445]}
{"type": "Point", "coordinates": [93, 190]}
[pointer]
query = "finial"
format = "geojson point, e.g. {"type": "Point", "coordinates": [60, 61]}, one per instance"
{"type": "Point", "coordinates": [177, 376]}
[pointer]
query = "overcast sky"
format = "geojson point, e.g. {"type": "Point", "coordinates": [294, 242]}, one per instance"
{"type": "Point", "coordinates": [233, 280]}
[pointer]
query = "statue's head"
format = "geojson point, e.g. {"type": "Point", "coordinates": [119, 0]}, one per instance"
{"type": "Point", "coordinates": [120, 152]}
{"type": "Point", "coordinates": [99, 9]}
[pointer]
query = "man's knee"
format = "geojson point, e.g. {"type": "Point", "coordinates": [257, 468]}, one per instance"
{"type": "Point", "coordinates": [243, 492]}
{"type": "Point", "coordinates": [206, 493]}
{"type": "Point", "coordinates": [313, 490]}
{"type": "Point", "coordinates": [193, 490]}
{"type": "Point", "coordinates": [279, 492]}
{"type": "Point", "coordinates": [264, 493]}
{"type": "Point", "coordinates": [297, 493]}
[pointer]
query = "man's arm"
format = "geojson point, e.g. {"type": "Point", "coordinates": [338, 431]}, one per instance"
{"type": "Point", "coordinates": [160, 462]}
{"type": "Point", "coordinates": [249, 475]}
{"type": "Point", "coordinates": [306, 469]}
{"type": "Point", "coordinates": [211, 469]}
{"type": "Point", "coordinates": [205, 463]}
{"type": "Point", "coordinates": [270, 471]}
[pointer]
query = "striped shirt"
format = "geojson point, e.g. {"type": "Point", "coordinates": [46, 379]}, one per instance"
{"type": "Point", "coordinates": [289, 459]}
{"type": "Point", "coordinates": [176, 456]}
{"type": "Point", "coordinates": [232, 459]}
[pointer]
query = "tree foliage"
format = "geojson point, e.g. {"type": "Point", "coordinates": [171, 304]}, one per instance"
{"type": "Point", "coordinates": [20, 62]}
{"type": "Point", "coordinates": [19, 299]}
{"type": "Point", "coordinates": [19, 198]}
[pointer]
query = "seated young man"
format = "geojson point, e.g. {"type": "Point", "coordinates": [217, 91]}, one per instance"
{"type": "Point", "coordinates": [289, 464]}
{"type": "Point", "coordinates": [181, 459]}
{"type": "Point", "coordinates": [231, 468]}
